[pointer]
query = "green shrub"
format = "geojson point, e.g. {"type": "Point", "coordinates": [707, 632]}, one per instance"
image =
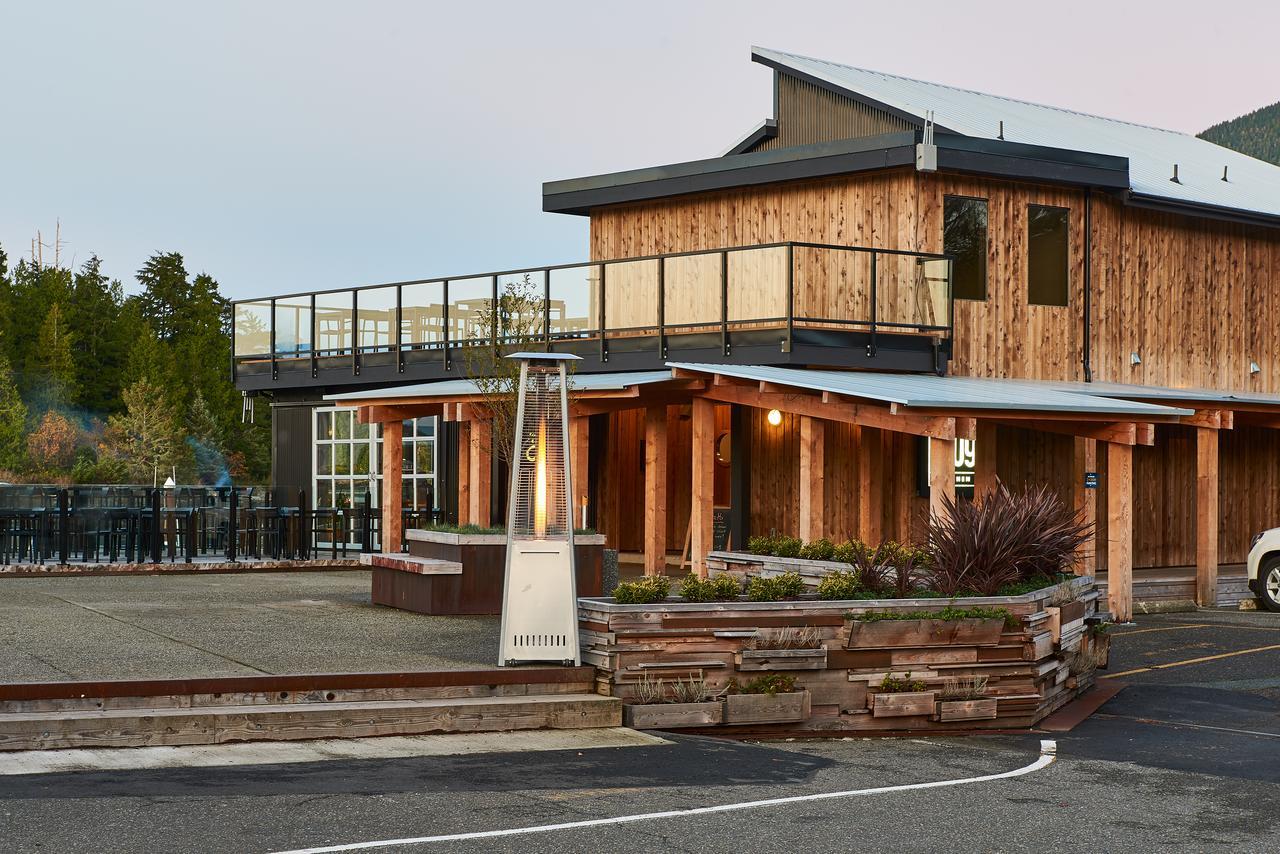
{"type": "Point", "coordinates": [787, 547]}
{"type": "Point", "coordinates": [818, 550]}
{"type": "Point", "coordinates": [947, 614]}
{"type": "Point", "coordinates": [842, 584]}
{"type": "Point", "coordinates": [788, 585]}
{"type": "Point", "coordinates": [719, 589]}
{"type": "Point", "coordinates": [894, 685]}
{"type": "Point", "coordinates": [644, 591]}
{"type": "Point", "coordinates": [849, 552]}
{"type": "Point", "coordinates": [760, 545]}
{"type": "Point", "coordinates": [768, 683]}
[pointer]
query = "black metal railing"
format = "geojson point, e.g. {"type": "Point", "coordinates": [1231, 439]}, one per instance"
{"type": "Point", "coordinates": [784, 286]}
{"type": "Point", "coordinates": [135, 524]}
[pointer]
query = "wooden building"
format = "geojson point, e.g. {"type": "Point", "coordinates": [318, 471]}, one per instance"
{"type": "Point", "coordinates": [803, 331]}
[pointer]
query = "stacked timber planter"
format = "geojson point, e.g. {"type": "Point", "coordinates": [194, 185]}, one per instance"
{"type": "Point", "coordinates": [887, 674]}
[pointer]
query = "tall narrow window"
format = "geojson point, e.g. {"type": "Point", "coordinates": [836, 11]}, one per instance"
{"type": "Point", "coordinates": [964, 235]}
{"type": "Point", "coordinates": [1046, 255]}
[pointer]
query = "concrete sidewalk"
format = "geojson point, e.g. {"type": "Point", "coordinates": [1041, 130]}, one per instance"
{"type": "Point", "coordinates": [157, 627]}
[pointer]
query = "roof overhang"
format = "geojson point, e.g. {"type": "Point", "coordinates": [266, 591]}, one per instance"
{"type": "Point", "coordinates": [969, 155]}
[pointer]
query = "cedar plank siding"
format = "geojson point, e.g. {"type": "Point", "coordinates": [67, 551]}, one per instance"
{"type": "Point", "coordinates": [1194, 297]}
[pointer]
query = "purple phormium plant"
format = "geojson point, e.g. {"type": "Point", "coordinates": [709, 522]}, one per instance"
{"type": "Point", "coordinates": [1004, 537]}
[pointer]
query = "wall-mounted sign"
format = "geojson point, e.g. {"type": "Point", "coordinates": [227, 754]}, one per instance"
{"type": "Point", "coordinates": [1091, 480]}
{"type": "Point", "coordinates": [966, 455]}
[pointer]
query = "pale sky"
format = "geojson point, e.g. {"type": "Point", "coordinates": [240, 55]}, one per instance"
{"type": "Point", "coordinates": [286, 146]}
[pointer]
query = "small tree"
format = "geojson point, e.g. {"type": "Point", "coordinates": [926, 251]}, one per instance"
{"type": "Point", "coordinates": [52, 445]}
{"type": "Point", "coordinates": [58, 367]}
{"type": "Point", "coordinates": [145, 437]}
{"type": "Point", "coordinates": [518, 318]}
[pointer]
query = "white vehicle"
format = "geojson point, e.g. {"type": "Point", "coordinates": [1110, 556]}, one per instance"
{"type": "Point", "coordinates": [1264, 568]}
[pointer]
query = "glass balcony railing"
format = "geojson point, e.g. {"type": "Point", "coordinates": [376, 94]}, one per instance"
{"type": "Point", "coordinates": [783, 286]}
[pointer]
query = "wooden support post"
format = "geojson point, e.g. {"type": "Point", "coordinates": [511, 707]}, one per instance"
{"type": "Point", "coordinates": [1206, 517]}
{"type": "Point", "coordinates": [812, 478]}
{"type": "Point", "coordinates": [942, 474]}
{"type": "Point", "coordinates": [985, 452]}
{"type": "Point", "coordinates": [1120, 530]}
{"type": "Point", "coordinates": [579, 451]}
{"type": "Point", "coordinates": [870, 484]}
{"type": "Point", "coordinates": [655, 490]}
{"type": "Point", "coordinates": [1084, 459]}
{"type": "Point", "coordinates": [464, 472]}
{"type": "Point", "coordinates": [480, 461]}
{"type": "Point", "coordinates": [392, 495]}
{"type": "Point", "coordinates": [703, 495]}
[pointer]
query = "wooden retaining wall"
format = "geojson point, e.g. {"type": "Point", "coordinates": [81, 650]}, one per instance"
{"type": "Point", "coordinates": [1029, 668]}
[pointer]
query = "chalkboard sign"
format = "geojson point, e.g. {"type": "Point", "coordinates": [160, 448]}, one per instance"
{"type": "Point", "coordinates": [721, 518]}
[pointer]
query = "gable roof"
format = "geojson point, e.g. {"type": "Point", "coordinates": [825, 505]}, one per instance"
{"type": "Point", "coordinates": [1252, 186]}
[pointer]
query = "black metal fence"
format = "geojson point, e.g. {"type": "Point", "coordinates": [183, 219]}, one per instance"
{"type": "Point", "coordinates": [136, 524]}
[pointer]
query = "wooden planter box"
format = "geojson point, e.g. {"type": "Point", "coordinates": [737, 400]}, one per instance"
{"type": "Point", "coordinates": [672, 715]}
{"type": "Point", "coordinates": [782, 659]}
{"type": "Point", "coordinates": [967, 710]}
{"type": "Point", "coordinates": [478, 588]}
{"type": "Point", "coordinates": [1101, 643]}
{"type": "Point", "coordinates": [902, 704]}
{"type": "Point", "coordinates": [884, 634]}
{"type": "Point", "coordinates": [766, 709]}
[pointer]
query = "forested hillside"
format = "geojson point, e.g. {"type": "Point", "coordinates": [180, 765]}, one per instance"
{"type": "Point", "coordinates": [1256, 134]}
{"type": "Point", "coordinates": [97, 386]}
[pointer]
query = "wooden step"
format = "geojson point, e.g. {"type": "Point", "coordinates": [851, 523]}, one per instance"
{"type": "Point", "coordinates": [412, 563]}
{"type": "Point", "coordinates": [50, 730]}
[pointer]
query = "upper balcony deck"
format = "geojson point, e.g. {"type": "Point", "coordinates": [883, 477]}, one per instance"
{"type": "Point", "coordinates": [775, 304]}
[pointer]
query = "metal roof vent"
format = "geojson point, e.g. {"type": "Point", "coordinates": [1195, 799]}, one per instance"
{"type": "Point", "coordinates": [1001, 134]}
{"type": "Point", "coordinates": [1174, 179]}
{"type": "Point", "coordinates": [1224, 173]}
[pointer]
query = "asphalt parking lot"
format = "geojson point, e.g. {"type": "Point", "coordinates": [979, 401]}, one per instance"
{"type": "Point", "coordinates": [1183, 759]}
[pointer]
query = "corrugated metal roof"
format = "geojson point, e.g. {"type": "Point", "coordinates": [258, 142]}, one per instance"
{"type": "Point", "coordinates": [1253, 185]}
{"type": "Point", "coordinates": [1158, 392]}
{"type": "Point", "coordinates": [934, 392]}
{"type": "Point", "coordinates": [460, 388]}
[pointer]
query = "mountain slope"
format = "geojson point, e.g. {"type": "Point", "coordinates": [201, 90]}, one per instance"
{"type": "Point", "coordinates": [1256, 134]}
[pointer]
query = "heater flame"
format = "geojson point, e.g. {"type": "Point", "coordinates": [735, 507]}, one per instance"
{"type": "Point", "coordinates": [540, 484]}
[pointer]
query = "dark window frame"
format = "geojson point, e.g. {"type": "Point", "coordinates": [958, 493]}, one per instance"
{"type": "Point", "coordinates": [1066, 256]}
{"type": "Point", "coordinates": [986, 253]}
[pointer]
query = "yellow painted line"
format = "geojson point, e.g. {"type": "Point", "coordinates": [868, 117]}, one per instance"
{"type": "Point", "coordinates": [1200, 660]}
{"type": "Point", "coordinates": [1163, 629]}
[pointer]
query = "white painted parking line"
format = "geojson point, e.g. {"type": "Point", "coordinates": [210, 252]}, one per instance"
{"type": "Point", "coordinates": [320, 750]}
{"type": "Point", "coordinates": [1048, 752]}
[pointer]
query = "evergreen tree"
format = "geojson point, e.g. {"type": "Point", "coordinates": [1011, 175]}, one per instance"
{"type": "Point", "coordinates": [95, 317]}
{"type": "Point", "coordinates": [57, 385]}
{"type": "Point", "coordinates": [13, 421]}
{"type": "Point", "coordinates": [145, 437]}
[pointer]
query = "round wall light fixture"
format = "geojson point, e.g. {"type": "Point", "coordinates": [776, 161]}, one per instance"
{"type": "Point", "coordinates": [774, 417]}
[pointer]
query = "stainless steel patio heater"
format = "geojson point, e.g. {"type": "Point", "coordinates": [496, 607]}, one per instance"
{"type": "Point", "coordinates": [539, 593]}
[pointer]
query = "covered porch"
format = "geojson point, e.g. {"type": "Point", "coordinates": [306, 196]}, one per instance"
{"type": "Point", "coordinates": [699, 457]}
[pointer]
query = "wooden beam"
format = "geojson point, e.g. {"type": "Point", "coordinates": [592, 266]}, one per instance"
{"type": "Point", "coordinates": [464, 472]}
{"type": "Point", "coordinates": [985, 476]}
{"type": "Point", "coordinates": [1210, 418]}
{"type": "Point", "coordinates": [942, 475]}
{"type": "Point", "coordinates": [377, 414]}
{"type": "Point", "coordinates": [812, 478]}
{"type": "Point", "coordinates": [1206, 517]}
{"type": "Point", "coordinates": [392, 494]}
{"type": "Point", "coordinates": [1029, 415]}
{"type": "Point", "coordinates": [579, 446]}
{"type": "Point", "coordinates": [1120, 530]}
{"type": "Point", "coordinates": [1084, 459]}
{"type": "Point", "coordinates": [655, 490]}
{"type": "Point", "coordinates": [703, 497]}
{"type": "Point", "coordinates": [481, 462]}
{"type": "Point", "coordinates": [1120, 432]}
{"type": "Point", "coordinates": [899, 450]}
{"type": "Point", "coordinates": [870, 484]}
{"type": "Point", "coordinates": [833, 408]}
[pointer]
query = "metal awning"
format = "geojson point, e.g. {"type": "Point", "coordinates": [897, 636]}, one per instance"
{"type": "Point", "coordinates": [926, 391]}
{"type": "Point", "coordinates": [1158, 392]}
{"type": "Point", "coordinates": [463, 387]}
